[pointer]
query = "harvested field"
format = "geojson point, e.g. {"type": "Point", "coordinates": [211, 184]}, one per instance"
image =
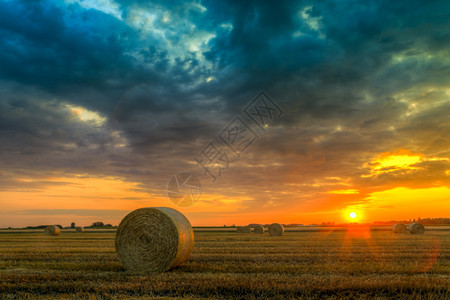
{"type": "Point", "coordinates": [227, 264]}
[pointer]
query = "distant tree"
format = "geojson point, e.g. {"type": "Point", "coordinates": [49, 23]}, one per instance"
{"type": "Point", "coordinates": [98, 224]}
{"type": "Point", "coordinates": [72, 225]}
{"type": "Point", "coordinates": [108, 225]}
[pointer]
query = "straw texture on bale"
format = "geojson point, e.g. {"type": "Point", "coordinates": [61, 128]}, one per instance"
{"type": "Point", "coordinates": [416, 228]}
{"type": "Point", "coordinates": [52, 230]}
{"type": "Point", "coordinates": [154, 240]}
{"type": "Point", "coordinates": [79, 229]}
{"type": "Point", "coordinates": [259, 229]}
{"type": "Point", "coordinates": [276, 229]}
{"type": "Point", "coordinates": [246, 229]}
{"type": "Point", "coordinates": [399, 228]}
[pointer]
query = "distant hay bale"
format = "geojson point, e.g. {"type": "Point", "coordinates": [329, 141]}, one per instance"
{"type": "Point", "coordinates": [79, 229]}
{"type": "Point", "coordinates": [276, 229]}
{"type": "Point", "coordinates": [416, 228]}
{"type": "Point", "coordinates": [246, 229]}
{"type": "Point", "coordinates": [154, 240]}
{"type": "Point", "coordinates": [259, 229]}
{"type": "Point", "coordinates": [52, 230]}
{"type": "Point", "coordinates": [399, 228]}
{"type": "Point", "coordinates": [243, 229]}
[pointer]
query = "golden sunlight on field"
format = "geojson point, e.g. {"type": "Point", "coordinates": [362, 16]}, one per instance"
{"type": "Point", "coordinates": [309, 263]}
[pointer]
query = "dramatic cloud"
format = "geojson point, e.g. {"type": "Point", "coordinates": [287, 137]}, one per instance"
{"type": "Point", "coordinates": [134, 90]}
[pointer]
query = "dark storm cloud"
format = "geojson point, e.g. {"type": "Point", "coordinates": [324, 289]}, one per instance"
{"type": "Point", "coordinates": [45, 46]}
{"type": "Point", "coordinates": [72, 51]}
{"type": "Point", "coordinates": [330, 75]}
{"type": "Point", "coordinates": [55, 55]}
{"type": "Point", "coordinates": [345, 73]}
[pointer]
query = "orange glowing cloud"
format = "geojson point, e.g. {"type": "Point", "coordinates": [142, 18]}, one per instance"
{"type": "Point", "coordinates": [345, 192]}
{"type": "Point", "coordinates": [400, 159]}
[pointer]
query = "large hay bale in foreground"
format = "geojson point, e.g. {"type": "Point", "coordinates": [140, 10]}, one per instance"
{"type": "Point", "coordinates": [79, 229]}
{"type": "Point", "coordinates": [154, 239]}
{"type": "Point", "coordinates": [416, 228]}
{"type": "Point", "coordinates": [276, 229]}
{"type": "Point", "coordinates": [399, 228]}
{"type": "Point", "coordinates": [259, 229]}
{"type": "Point", "coordinates": [52, 230]}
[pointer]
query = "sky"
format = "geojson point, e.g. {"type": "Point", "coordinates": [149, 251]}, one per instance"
{"type": "Point", "coordinates": [104, 102]}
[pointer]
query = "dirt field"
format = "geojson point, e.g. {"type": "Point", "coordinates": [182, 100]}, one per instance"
{"type": "Point", "coordinates": [339, 264]}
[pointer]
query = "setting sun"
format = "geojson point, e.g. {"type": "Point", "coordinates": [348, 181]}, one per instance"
{"type": "Point", "coordinates": [353, 214]}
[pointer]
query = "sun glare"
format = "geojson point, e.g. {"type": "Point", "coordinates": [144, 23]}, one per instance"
{"type": "Point", "coordinates": [353, 215]}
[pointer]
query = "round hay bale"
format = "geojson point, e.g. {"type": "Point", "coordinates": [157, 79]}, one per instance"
{"type": "Point", "coordinates": [52, 230]}
{"type": "Point", "coordinates": [79, 229]}
{"type": "Point", "coordinates": [276, 229]}
{"type": "Point", "coordinates": [416, 228]}
{"type": "Point", "coordinates": [259, 229]}
{"type": "Point", "coordinates": [154, 240]}
{"type": "Point", "coordinates": [246, 229]}
{"type": "Point", "coordinates": [399, 228]}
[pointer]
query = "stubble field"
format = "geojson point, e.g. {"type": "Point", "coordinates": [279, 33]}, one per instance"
{"type": "Point", "coordinates": [353, 263]}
